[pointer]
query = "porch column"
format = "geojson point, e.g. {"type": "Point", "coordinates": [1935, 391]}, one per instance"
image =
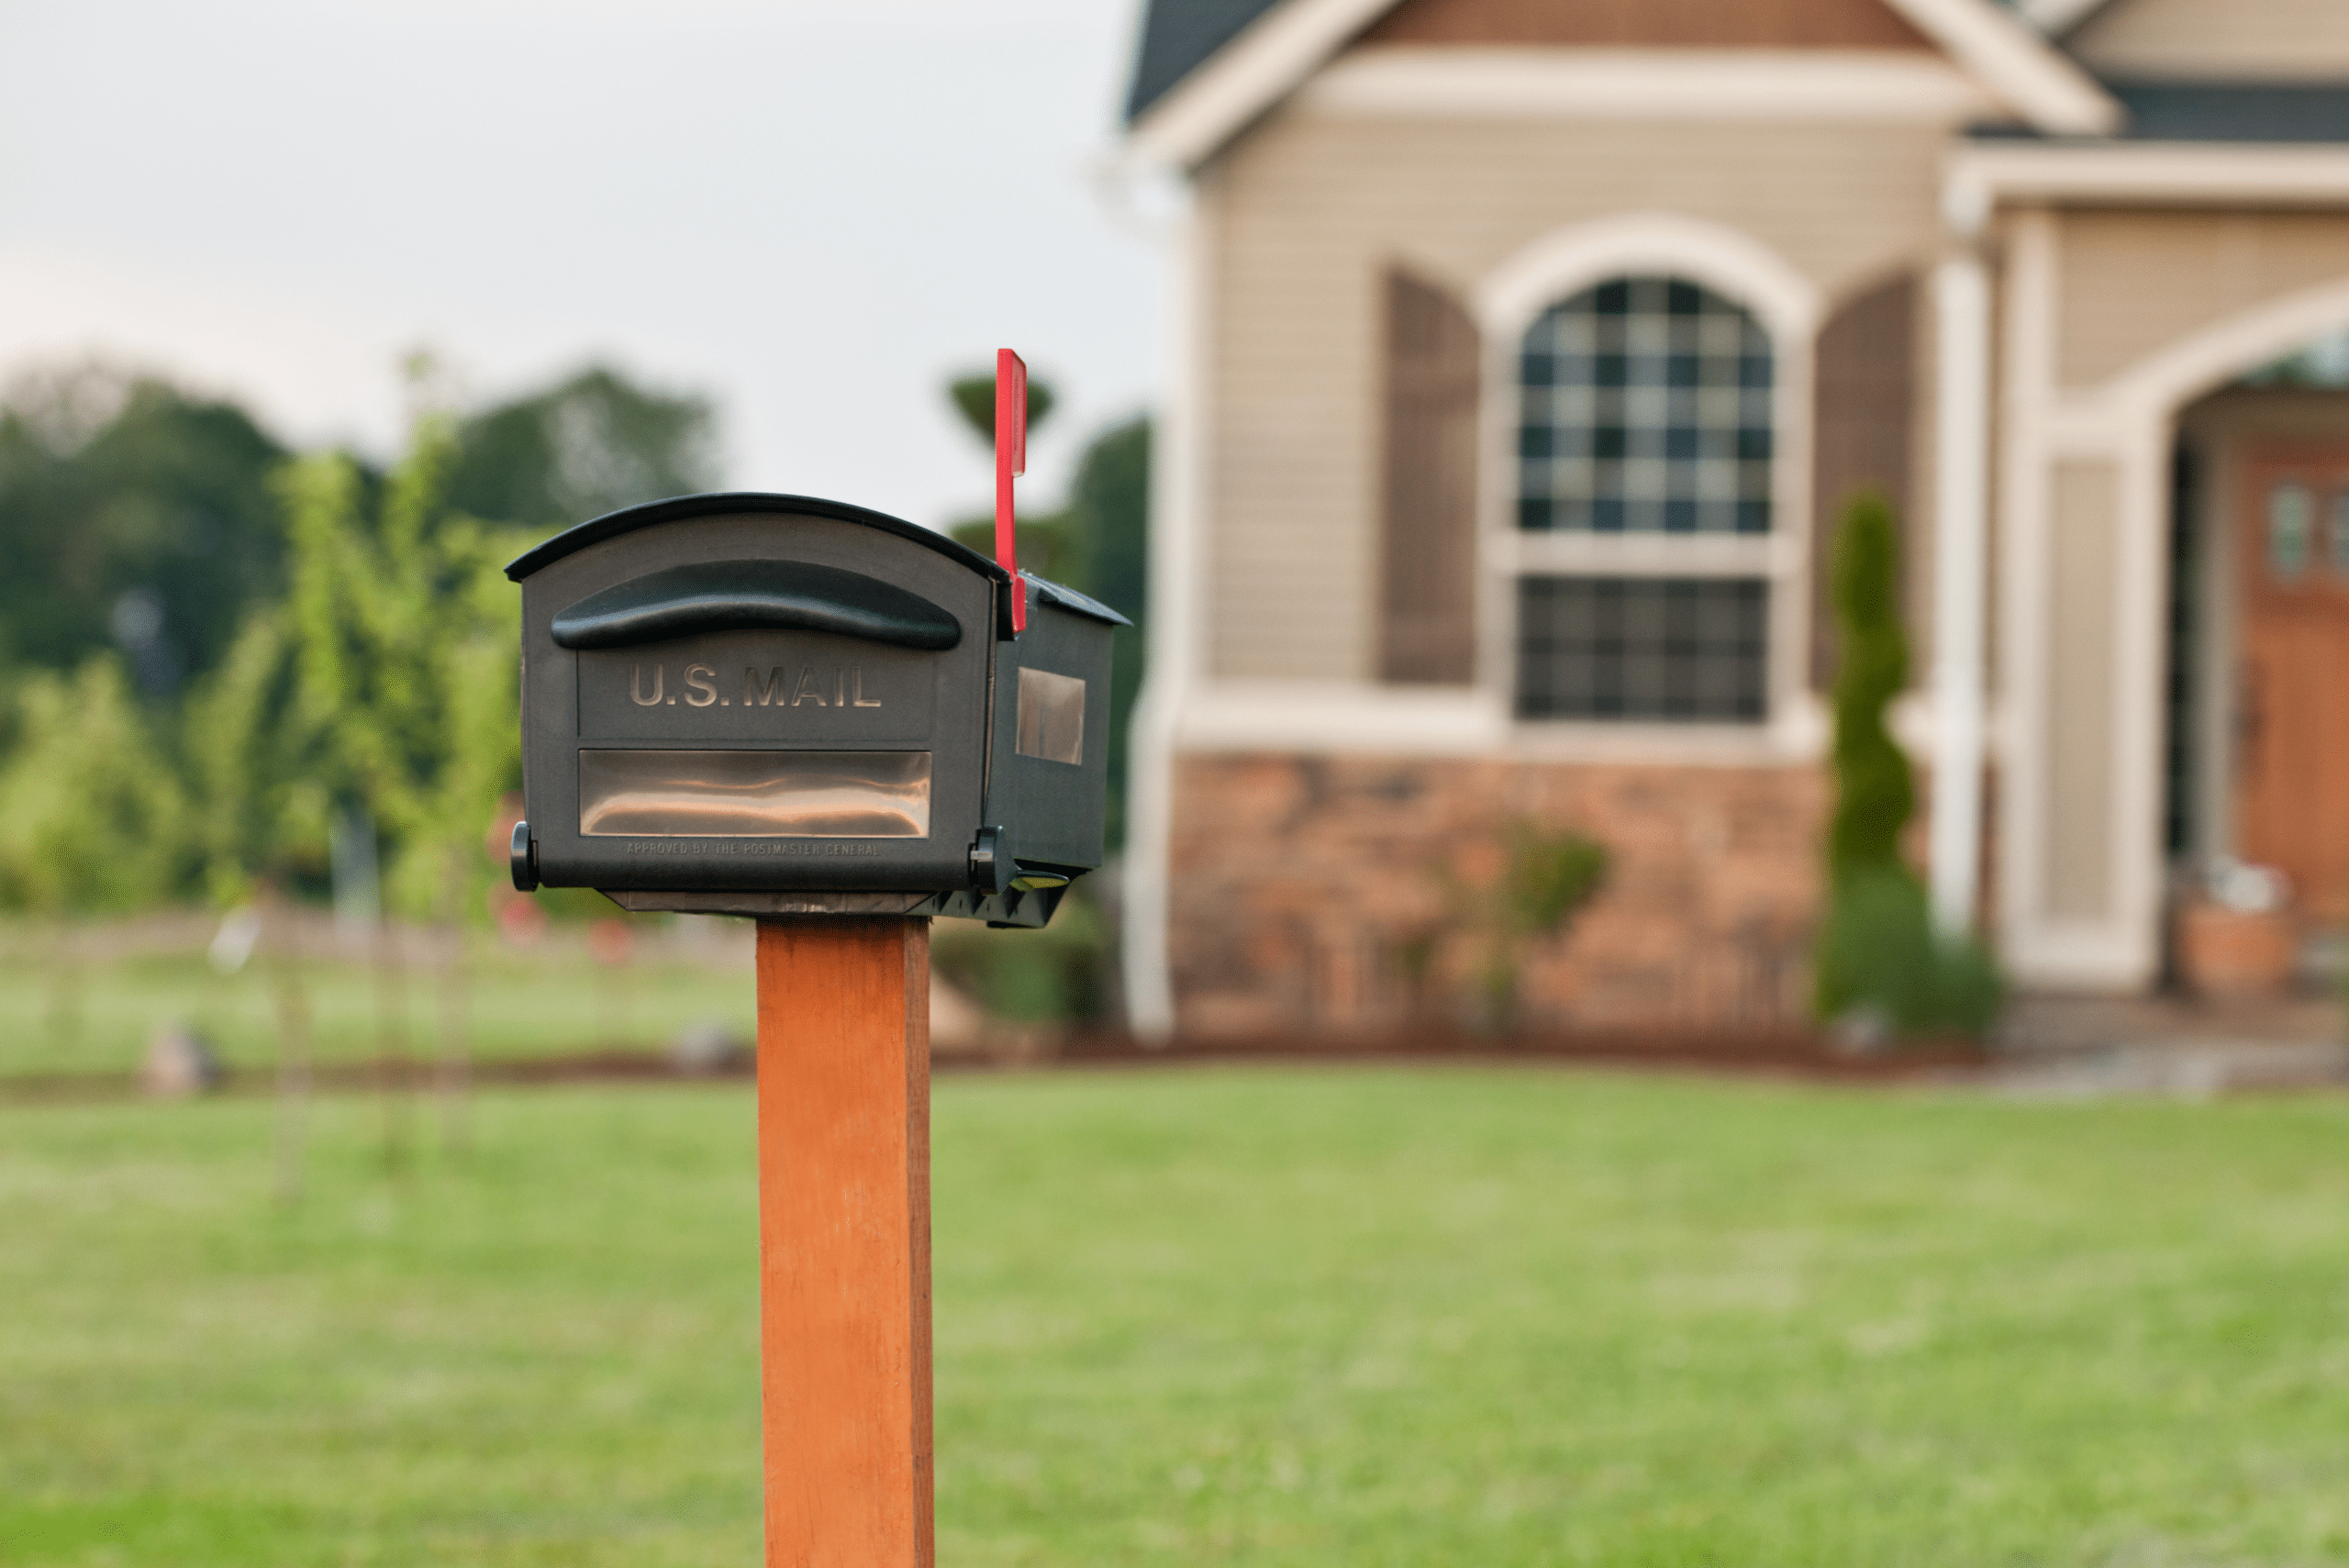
{"type": "Point", "coordinates": [1961, 533]}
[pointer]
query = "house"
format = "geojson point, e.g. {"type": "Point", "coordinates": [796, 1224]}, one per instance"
{"type": "Point", "coordinates": [1529, 348]}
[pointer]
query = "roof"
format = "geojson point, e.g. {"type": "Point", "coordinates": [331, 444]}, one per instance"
{"type": "Point", "coordinates": [2234, 111]}
{"type": "Point", "coordinates": [1207, 68]}
{"type": "Point", "coordinates": [1177, 37]}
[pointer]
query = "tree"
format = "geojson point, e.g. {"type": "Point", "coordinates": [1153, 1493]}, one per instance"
{"type": "Point", "coordinates": [1874, 797]}
{"type": "Point", "coordinates": [91, 818]}
{"type": "Point", "coordinates": [91, 815]}
{"type": "Point", "coordinates": [135, 514]}
{"type": "Point", "coordinates": [1878, 957]}
{"type": "Point", "coordinates": [588, 445]}
{"type": "Point", "coordinates": [1107, 521]}
{"type": "Point", "coordinates": [404, 633]}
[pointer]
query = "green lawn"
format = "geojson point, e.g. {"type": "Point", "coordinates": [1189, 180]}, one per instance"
{"type": "Point", "coordinates": [1478, 1317]}
{"type": "Point", "coordinates": [518, 1005]}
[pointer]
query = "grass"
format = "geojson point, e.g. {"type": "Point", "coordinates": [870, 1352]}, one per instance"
{"type": "Point", "coordinates": [1488, 1318]}
{"type": "Point", "coordinates": [518, 1005]}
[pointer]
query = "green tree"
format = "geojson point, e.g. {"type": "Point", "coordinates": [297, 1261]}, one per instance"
{"type": "Point", "coordinates": [1877, 952]}
{"type": "Point", "coordinates": [590, 444]}
{"type": "Point", "coordinates": [92, 818]}
{"type": "Point", "coordinates": [91, 815]}
{"type": "Point", "coordinates": [404, 632]}
{"type": "Point", "coordinates": [1874, 797]}
{"type": "Point", "coordinates": [135, 514]}
{"type": "Point", "coordinates": [1107, 521]}
{"type": "Point", "coordinates": [255, 766]}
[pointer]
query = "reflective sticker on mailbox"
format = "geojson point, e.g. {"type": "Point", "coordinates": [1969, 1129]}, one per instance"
{"type": "Point", "coordinates": [754, 794]}
{"type": "Point", "coordinates": [1052, 717]}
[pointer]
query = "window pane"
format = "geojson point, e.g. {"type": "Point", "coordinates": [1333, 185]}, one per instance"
{"type": "Point", "coordinates": [1645, 410]}
{"type": "Point", "coordinates": [2288, 531]}
{"type": "Point", "coordinates": [1674, 648]}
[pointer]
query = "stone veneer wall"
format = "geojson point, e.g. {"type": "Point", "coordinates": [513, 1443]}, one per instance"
{"type": "Point", "coordinates": [1321, 894]}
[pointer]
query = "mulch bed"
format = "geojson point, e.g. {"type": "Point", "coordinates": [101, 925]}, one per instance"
{"type": "Point", "coordinates": [1791, 1054]}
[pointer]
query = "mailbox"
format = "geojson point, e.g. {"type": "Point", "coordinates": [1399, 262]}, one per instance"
{"type": "Point", "coordinates": [773, 704]}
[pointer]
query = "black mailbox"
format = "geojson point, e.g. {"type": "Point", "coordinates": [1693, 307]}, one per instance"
{"type": "Point", "coordinates": [772, 705]}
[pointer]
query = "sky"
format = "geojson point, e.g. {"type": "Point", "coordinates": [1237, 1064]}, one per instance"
{"type": "Point", "coordinates": [814, 211]}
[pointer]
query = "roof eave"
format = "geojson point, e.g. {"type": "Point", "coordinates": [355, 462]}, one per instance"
{"type": "Point", "coordinates": [1275, 53]}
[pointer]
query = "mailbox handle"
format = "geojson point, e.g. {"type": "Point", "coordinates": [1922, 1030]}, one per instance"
{"type": "Point", "coordinates": [755, 595]}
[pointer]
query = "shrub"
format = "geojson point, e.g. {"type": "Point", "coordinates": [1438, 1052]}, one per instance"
{"type": "Point", "coordinates": [1549, 875]}
{"type": "Point", "coordinates": [1878, 950]}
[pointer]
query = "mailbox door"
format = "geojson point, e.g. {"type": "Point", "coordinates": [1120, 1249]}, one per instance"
{"type": "Point", "coordinates": [684, 755]}
{"type": "Point", "coordinates": [1052, 717]}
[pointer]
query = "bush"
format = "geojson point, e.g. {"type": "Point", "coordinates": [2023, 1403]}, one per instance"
{"type": "Point", "coordinates": [1547, 878]}
{"type": "Point", "coordinates": [1878, 951]}
{"type": "Point", "coordinates": [1023, 976]}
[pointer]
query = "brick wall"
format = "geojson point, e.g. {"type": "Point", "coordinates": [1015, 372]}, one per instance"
{"type": "Point", "coordinates": [1326, 894]}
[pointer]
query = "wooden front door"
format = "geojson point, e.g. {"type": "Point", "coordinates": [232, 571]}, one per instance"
{"type": "Point", "coordinates": [2292, 699]}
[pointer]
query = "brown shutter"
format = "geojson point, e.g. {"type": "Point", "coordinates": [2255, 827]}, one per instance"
{"type": "Point", "coordinates": [1428, 528]}
{"type": "Point", "coordinates": [1864, 374]}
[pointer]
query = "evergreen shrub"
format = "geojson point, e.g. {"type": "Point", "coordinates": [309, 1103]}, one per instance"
{"type": "Point", "coordinates": [1878, 950]}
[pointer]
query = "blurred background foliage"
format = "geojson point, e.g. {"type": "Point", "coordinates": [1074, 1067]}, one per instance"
{"type": "Point", "coordinates": [211, 646]}
{"type": "Point", "coordinates": [214, 649]}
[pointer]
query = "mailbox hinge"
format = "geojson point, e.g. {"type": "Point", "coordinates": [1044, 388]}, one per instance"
{"type": "Point", "coordinates": [992, 867]}
{"type": "Point", "coordinates": [524, 858]}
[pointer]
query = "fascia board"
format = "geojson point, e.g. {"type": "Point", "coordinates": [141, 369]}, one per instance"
{"type": "Point", "coordinates": [2188, 172]}
{"type": "Point", "coordinates": [1275, 53]}
{"type": "Point", "coordinates": [1267, 62]}
{"type": "Point", "coordinates": [2017, 64]}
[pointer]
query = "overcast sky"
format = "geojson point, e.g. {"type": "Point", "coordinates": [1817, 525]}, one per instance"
{"type": "Point", "coordinates": [813, 210]}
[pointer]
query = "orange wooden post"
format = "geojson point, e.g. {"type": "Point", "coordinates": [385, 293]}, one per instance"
{"type": "Point", "coordinates": [844, 1240]}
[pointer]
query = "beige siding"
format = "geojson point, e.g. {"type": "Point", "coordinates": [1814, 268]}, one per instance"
{"type": "Point", "coordinates": [2081, 692]}
{"type": "Point", "coordinates": [2135, 282]}
{"type": "Point", "coordinates": [1310, 211]}
{"type": "Point", "coordinates": [2202, 40]}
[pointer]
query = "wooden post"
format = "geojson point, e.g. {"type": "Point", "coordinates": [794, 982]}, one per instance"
{"type": "Point", "coordinates": [844, 1240]}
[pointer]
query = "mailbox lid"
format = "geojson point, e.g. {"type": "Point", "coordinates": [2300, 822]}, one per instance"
{"type": "Point", "coordinates": [651, 514]}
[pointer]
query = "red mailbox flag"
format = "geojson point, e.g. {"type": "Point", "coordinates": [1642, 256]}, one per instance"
{"type": "Point", "coordinates": [1010, 461]}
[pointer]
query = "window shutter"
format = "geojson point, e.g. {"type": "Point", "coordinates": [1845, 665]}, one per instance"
{"type": "Point", "coordinates": [1863, 418]}
{"type": "Point", "coordinates": [1428, 530]}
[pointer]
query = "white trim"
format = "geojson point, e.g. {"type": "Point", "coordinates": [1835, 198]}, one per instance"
{"type": "Point", "coordinates": [1678, 555]}
{"type": "Point", "coordinates": [2183, 172]}
{"type": "Point", "coordinates": [1727, 260]}
{"type": "Point", "coordinates": [2024, 69]}
{"type": "Point", "coordinates": [2128, 421]}
{"type": "Point", "coordinates": [1274, 55]}
{"type": "Point", "coordinates": [1888, 85]}
{"type": "Point", "coordinates": [1362, 718]}
{"type": "Point", "coordinates": [1177, 574]}
{"type": "Point", "coordinates": [1961, 552]}
{"type": "Point", "coordinates": [2154, 387]}
{"type": "Point", "coordinates": [1247, 76]}
{"type": "Point", "coordinates": [1788, 306]}
{"type": "Point", "coordinates": [2141, 681]}
{"type": "Point", "coordinates": [2029, 313]}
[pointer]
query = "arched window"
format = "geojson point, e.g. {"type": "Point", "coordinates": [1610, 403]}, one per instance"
{"type": "Point", "coordinates": [1645, 408]}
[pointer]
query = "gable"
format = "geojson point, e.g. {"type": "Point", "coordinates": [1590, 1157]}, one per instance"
{"type": "Point", "coordinates": [1691, 24]}
{"type": "Point", "coordinates": [1191, 95]}
{"type": "Point", "coordinates": [2276, 40]}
